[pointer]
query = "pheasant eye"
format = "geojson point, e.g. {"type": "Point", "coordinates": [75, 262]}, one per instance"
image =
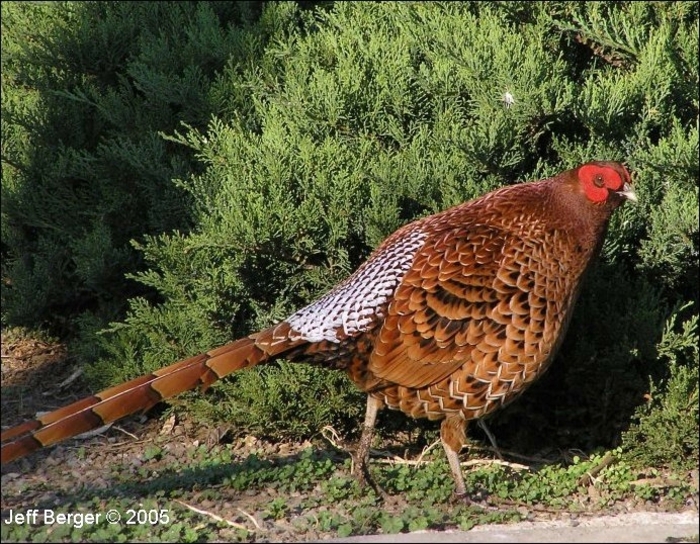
{"type": "Point", "coordinates": [598, 181]}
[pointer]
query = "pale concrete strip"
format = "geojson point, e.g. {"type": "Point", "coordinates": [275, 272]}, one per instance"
{"type": "Point", "coordinates": [634, 527]}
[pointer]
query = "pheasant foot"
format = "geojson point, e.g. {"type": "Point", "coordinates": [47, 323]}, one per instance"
{"type": "Point", "coordinates": [477, 500]}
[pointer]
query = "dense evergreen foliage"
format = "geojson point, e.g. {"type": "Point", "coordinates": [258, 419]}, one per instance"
{"type": "Point", "coordinates": [176, 175]}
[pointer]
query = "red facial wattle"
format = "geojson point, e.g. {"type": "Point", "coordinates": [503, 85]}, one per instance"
{"type": "Point", "coordinates": [599, 181]}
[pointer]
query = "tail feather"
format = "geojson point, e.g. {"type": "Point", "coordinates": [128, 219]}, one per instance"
{"type": "Point", "coordinates": [139, 394]}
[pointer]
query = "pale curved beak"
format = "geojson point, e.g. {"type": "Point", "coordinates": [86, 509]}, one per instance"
{"type": "Point", "coordinates": [628, 193]}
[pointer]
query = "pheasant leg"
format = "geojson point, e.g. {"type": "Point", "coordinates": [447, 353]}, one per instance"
{"type": "Point", "coordinates": [360, 455]}
{"type": "Point", "coordinates": [491, 438]}
{"type": "Point", "coordinates": [453, 436]}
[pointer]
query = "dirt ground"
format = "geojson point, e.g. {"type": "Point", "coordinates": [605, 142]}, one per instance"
{"type": "Point", "coordinates": [40, 376]}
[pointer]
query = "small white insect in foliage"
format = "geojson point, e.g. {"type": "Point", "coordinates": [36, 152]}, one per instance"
{"type": "Point", "coordinates": [508, 99]}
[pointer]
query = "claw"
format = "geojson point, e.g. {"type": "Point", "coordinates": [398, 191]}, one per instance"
{"type": "Point", "coordinates": [477, 501]}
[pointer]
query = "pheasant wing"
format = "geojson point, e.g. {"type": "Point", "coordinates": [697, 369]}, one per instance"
{"type": "Point", "coordinates": [475, 295]}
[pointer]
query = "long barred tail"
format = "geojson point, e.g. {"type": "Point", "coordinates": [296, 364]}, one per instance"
{"type": "Point", "coordinates": [142, 393]}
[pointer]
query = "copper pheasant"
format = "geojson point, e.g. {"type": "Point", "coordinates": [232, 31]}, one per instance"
{"type": "Point", "coordinates": [450, 318]}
